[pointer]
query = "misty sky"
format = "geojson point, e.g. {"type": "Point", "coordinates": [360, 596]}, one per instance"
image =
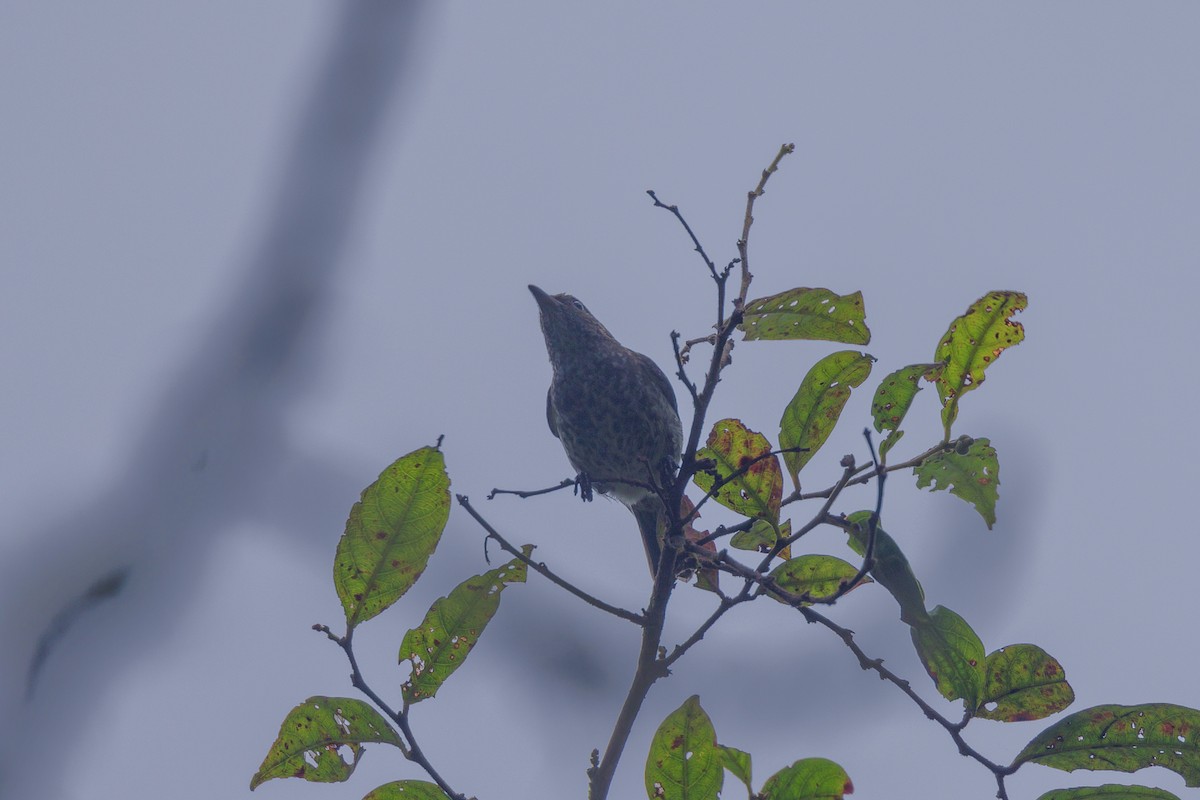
{"type": "Point", "coordinates": [204, 368]}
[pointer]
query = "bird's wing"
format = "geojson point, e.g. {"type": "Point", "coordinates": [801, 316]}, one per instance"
{"type": "Point", "coordinates": [660, 380]}
{"type": "Point", "coordinates": [551, 417]}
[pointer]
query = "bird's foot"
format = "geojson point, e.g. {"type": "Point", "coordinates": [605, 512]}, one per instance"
{"type": "Point", "coordinates": [583, 487]}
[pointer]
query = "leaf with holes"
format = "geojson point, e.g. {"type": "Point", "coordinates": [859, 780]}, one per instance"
{"type": "Point", "coordinates": [814, 410]}
{"type": "Point", "coordinates": [312, 735]}
{"type": "Point", "coordinates": [748, 477]}
{"type": "Point", "coordinates": [440, 644]}
{"type": "Point", "coordinates": [1109, 791]}
{"type": "Point", "coordinates": [1024, 682]}
{"type": "Point", "coordinates": [813, 576]}
{"type": "Point", "coordinates": [891, 570]}
{"type": "Point", "coordinates": [803, 313]}
{"type": "Point", "coordinates": [391, 533]}
{"type": "Point", "coordinates": [762, 536]}
{"type": "Point", "coordinates": [952, 654]}
{"type": "Point", "coordinates": [972, 343]}
{"type": "Point", "coordinates": [808, 779]}
{"type": "Point", "coordinates": [684, 763]}
{"type": "Point", "coordinates": [406, 790]}
{"type": "Point", "coordinates": [1121, 738]}
{"type": "Point", "coordinates": [894, 397]}
{"type": "Point", "coordinates": [973, 475]}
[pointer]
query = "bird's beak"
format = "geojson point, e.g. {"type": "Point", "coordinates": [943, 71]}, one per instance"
{"type": "Point", "coordinates": [543, 299]}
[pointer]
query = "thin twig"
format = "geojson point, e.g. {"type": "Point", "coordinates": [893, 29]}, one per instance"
{"type": "Point", "coordinates": [523, 493]}
{"type": "Point", "coordinates": [545, 571]}
{"type": "Point", "coordinates": [726, 604]}
{"type": "Point", "coordinates": [743, 244]}
{"type": "Point", "coordinates": [412, 751]}
{"type": "Point", "coordinates": [680, 360]}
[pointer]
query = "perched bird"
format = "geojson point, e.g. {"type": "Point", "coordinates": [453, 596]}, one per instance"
{"type": "Point", "coordinates": [613, 410]}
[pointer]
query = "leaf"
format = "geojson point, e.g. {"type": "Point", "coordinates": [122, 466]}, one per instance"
{"type": "Point", "coordinates": [758, 489]}
{"type": "Point", "coordinates": [312, 735]}
{"type": "Point", "coordinates": [452, 627]}
{"type": "Point", "coordinates": [814, 576]}
{"type": "Point", "coordinates": [972, 343]}
{"type": "Point", "coordinates": [891, 569]}
{"type": "Point", "coordinates": [1024, 682]}
{"type": "Point", "coordinates": [391, 533]}
{"type": "Point", "coordinates": [762, 536]}
{"type": "Point", "coordinates": [684, 762]}
{"type": "Point", "coordinates": [738, 763]}
{"type": "Point", "coordinates": [406, 790]}
{"type": "Point", "coordinates": [894, 397]}
{"type": "Point", "coordinates": [807, 314]}
{"type": "Point", "coordinates": [808, 779]}
{"type": "Point", "coordinates": [814, 410]}
{"type": "Point", "coordinates": [1121, 738]}
{"type": "Point", "coordinates": [973, 475]}
{"type": "Point", "coordinates": [952, 654]}
{"type": "Point", "coordinates": [1109, 791]}
{"type": "Point", "coordinates": [707, 575]}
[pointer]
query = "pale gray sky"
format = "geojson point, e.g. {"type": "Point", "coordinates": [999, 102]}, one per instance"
{"type": "Point", "coordinates": [943, 149]}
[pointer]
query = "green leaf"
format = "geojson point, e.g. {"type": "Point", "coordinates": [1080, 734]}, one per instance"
{"type": "Point", "coordinates": [1024, 682]}
{"type": "Point", "coordinates": [814, 576]}
{"type": "Point", "coordinates": [1109, 791]}
{"type": "Point", "coordinates": [973, 475]}
{"type": "Point", "coordinates": [807, 314]}
{"type": "Point", "coordinates": [452, 627]}
{"type": "Point", "coordinates": [894, 397]}
{"type": "Point", "coordinates": [313, 733]}
{"type": "Point", "coordinates": [891, 569]}
{"type": "Point", "coordinates": [972, 343]}
{"type": "Point", "coordinates": [391, 533]}
{"type": "Point", "coordinates": [1121, 738]}
{"type": "Point", "coordinates": [808, 779]}
{"type": "Point", "coordinates": [814, 410]}
{"type": "Point", "coordinates": [758, 490]}
{"type": "Point", "coordinates": [761, 537]}
{"type": "Point", "coordinates": [406, 790]}
{"type": "Point", "coordinates": [738, 763]}
{"type": "Point", "coordinates": [684, 762]}
{"type": "Point", "coordinates": [952, 654]}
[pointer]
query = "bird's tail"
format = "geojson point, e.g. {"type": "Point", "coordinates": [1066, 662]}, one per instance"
{"type": "Point", "coordinates": [649, 513]}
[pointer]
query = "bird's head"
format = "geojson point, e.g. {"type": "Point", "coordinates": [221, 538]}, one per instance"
{"type": "Point", "coordinates": [569, 328]}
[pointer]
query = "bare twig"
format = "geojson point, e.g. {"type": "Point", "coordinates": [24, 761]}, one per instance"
{"type": "Point", "coordinates": [411, 750]}
{"type": "Point", "coordinates": [743, 244]}
{"type": "Point", "coordinates": [523, 493]}
{"type": "Point", "coordinates": [545, 571]}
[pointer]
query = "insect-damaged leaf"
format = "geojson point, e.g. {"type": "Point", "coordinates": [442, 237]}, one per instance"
{"type": "Point", "coordinates": [803, 313]}
{"type": "Point", "coordinates": [757, 489]}
{"type": "Point", "coordinates": [313, 733]}
{"type": "Point", "coordinates": [442, 641]}
{"type": "Point", "coordinates": [391, 533]}
{"type": "Point", "coordinates": [972, 343]}
{"type": "Point", "coordinates": [894, 397]}
{"type": "Point", "coordinates": [817, 576]}
{"type": "Point", "coordinates": [973, 475]}
{"type": "Point", "coordinates": [952, 654]}
{"type": "Point", "coordinates": [1024, 682]}
{"type": "Point", "coordinates": [808, 779]}
{"type": "Point", "coordinates": [814, 410]}
{"type": "Point", "coordinates": [684, 762]}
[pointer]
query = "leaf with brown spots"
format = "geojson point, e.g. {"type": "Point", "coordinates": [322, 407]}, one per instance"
{"type": "Point", "coordinates": [1109, 791]}
{"type": "Point", "coordinates": [452, 626]}
{"type": "Point", "coordinates": [973, 475]}
{"type": "Point", "coordinates": [684, 762]}
{"type": "Point", "coordinates": [804, 313]}
{"type": "Point", "coordinates": [1024, 682]}
{"type": "Point", "coordinates": [814, 410]}
{"type": "Point", "coordinates": [1121, 738]}
{"type": "Point", "coordinates": [808, 779]}
{"type": "Point", "coordinates": [894, 397]}
{"type": "Point", "coordinates": [312, 735]}
{"type": "Point", "coordinates": [972, 343]}
{"type": "Point", "coordinates": [952, 654]}
{"type": "Point", "coordinates": [391, 533]}
{"type": "Point", "coordinates": [751, 482]}
{"type": "Point", "coordinates": [814, 576]}
{"type": "Point", "coordinates": [762, 536]}
{"type": "Point", "coordinates": [406, 790]}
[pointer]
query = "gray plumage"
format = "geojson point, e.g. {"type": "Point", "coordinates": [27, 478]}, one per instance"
{"type": "Point", "coordinates": [613, 410]}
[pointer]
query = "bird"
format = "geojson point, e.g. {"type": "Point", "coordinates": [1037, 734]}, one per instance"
{"type": "Point", "coordinates": [613, 410]}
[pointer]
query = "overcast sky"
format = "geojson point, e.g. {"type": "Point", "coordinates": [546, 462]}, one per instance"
{"type": "Point", "coordinates": [235, 290]}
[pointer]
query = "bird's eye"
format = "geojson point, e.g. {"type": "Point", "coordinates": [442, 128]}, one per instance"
{"type": "Point", "coordinates": [579, 305]}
